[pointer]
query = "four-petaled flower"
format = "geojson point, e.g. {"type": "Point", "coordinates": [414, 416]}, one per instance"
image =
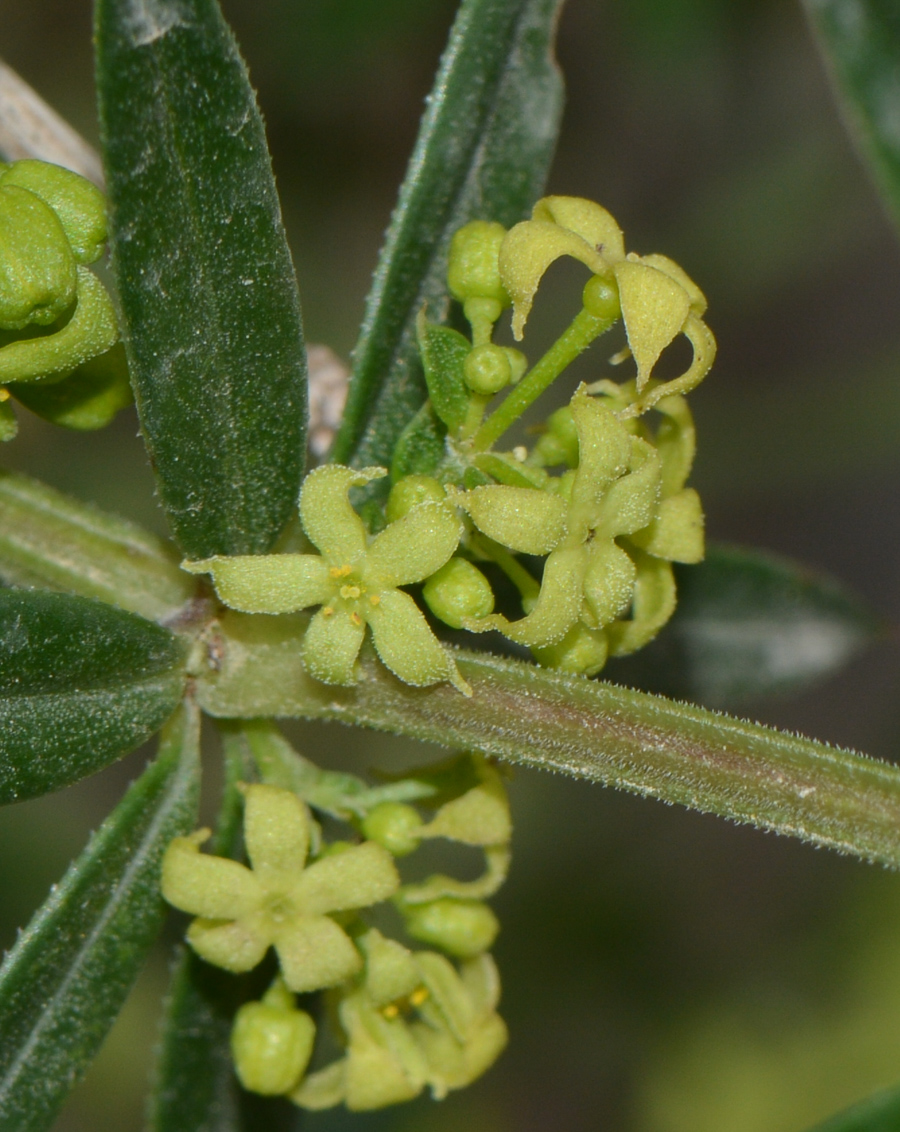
{"type": "Point", "coordinates": [354, 580]}
{"type": "Point", "coordinates": [279, 902]}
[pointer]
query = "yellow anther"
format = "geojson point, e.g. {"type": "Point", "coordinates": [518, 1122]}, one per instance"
{"type": "Point", "coordinates": [355, 618]}
{"type": "Point", "coordinates": [391, 1010]}
{"type": "Point", "coordinates": [350, 591]}
{"type": "Point", "coordinates": [418, 996]}
{"type": "Point", "coordinates": [374, 599]}
{"type": "Point", "coordinates": [328, 610]}
{"type": "Point", "coordinates": [4, 394]}
{"type": "Point", "coordinates": [340, 571]}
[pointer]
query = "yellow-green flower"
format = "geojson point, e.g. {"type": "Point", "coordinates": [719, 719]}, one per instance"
{"type": "Point", "coordinates": [658, 299]}
{"type": "Point", "coordinates": [354, 580]}
{"type": "Point", "coordinates": [281, 901]}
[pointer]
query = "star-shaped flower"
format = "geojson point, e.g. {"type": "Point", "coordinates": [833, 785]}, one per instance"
{"type": "Point", "coordinates": [355, 581]}
{"type": "Point", "coordinates": [658, 299]}
{"type": "Point", "coordinates": [281, 901]}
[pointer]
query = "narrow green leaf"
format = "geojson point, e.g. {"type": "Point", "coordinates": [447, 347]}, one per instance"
{"type": "Point", "coordinates": [878, 1113]}
{"type": "Point", "coordinates": [860, 40]}
{"type": "Point", "coordinates": [420, 446]}
{"type": "Point", "coordinates": [64, 982]}
{"type": "Point", "coordinates": [51, 540]}
{"type": "Point", "coordinates": [81, 683]}
{"type": "Point", "coordinates": [211, 315]}
{"type": "Point", "coordinates": [749, 623]}
{"type": "Point", "coordinates": [585, 728]}
{"type": "Point", "coordinates": [483, 151]}
{"type": "Point", "coordinates": [194, 1087]}
{"type": "Point", "coordinates": [443, 352]}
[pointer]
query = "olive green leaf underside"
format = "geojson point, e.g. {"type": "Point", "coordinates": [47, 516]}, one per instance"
{"type": "Point", "coordinates": [211, 314]}
{"type": "Point", "coordinates": [483, 151]}
{"type": "Point", "coordinates": [878, 1113]}
{"type": "Point", "coordinates": [81, 683]}
{"type": "Point", "coordinates": [65, 980]}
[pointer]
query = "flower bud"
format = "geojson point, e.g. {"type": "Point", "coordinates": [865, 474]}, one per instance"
{"type": "Point", "coordinates": [271, 1046]}
{"type": "Point", "coordinates": [409, 492]}
{"type": "Point", "coordinates": [457, 592]}
{"type": "Point", "coordinates": [78, 204]}
{"type": "Point", "coordinates": [487, 370]}
{"type": "Point", "coordinates": [472, 271]}
{"type": "Point", "coordinates": [581, 650]}
{"type": "Point", "coordinates": [463, 928]}
{"type": "Point", "coordinates": [393, 825]}
{"type": "Point", "coordinates": [559, 444]}
{"type": "Point", "coordinates": [37, 268]}
{"type": "Point", "coordinates": [601, 299]}
{"type": "Point", "coordinates": [518, 363]}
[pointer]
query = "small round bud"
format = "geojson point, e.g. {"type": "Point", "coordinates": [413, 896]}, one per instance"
{"type": "Point", "coordinates": [462, 928]}
{"type": "Point", "coordinates": [472, 270]}
{"type": "Point", "coordinates": [518, 363]}
{"type": "Point", "coordinates": [581, 650]}
{"type": "Point", "coordinates": [457, 592]}
{"type": "Point", "coordinates": [601, 299]}
{"type": "Point", "coordinates": [410, 492]}
{"type": "Point", "coordinates": [559, 444]}
{"type": "Point", "coordinates": [271, 1047]}
{"type": "Point", "coordinates": [487, 370]}
{"type": "Point", "coordinates": [78, 204]}
{"type": "Point", "coordinates": [393, 825]}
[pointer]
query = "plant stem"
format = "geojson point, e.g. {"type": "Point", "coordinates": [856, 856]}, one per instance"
{"type": "Point", "coordinates": [580, 333]}
{"type": "Point", "coordinates": [630, 740]}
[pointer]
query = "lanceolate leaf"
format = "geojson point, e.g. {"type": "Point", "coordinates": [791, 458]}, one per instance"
{"type": "Point", "coordinates": [584, 728]}
{"type": "Point", "coordinates": [747, 624]}
{"type": "Point", "coordinates": [81, 683]}
{"type": "Point", "coordinates": [861, 43]}
{"type": "Point", "coordinates": [64, 982]}
{"type": "Point", "coordinates": [195, 1089]}
{"type": "Point", "coordinates": [211, 314]}
{"type": "Point", "coordinates": [878, 1113]}
{"type": "Point", "coordinates": [50, 540]}
{"type": "Point", "coordinates": [483, 151]}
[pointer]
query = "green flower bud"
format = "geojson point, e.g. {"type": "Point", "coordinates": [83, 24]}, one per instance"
{"type": "Point", "coordinates": [559, 444]}
{"type": "Point", "coordinates": [409, 492]}
{"type": "Point", "coordinates": [581, 650]}
{"type": "Point", "coordinates": [487, 370]}
{"type": "Point", "coordinates": [518, 363]}
{"type": "Point", "coordinates": [271, 1046]}
{"type": "Point", "coordinates": [601, 299]}
{"type": "Point", "coordinates": [463, 928]}
{"type": "Point", "coordinates": [79, 205]}
{"type": "Point", "coordinates": [394, 825]}
{"type": "Point", "coordinates": [458, 591]}
{"type": "Point", "coordinates": [37, 267]}
{"type": "Point", "coordinates": [472, 270]}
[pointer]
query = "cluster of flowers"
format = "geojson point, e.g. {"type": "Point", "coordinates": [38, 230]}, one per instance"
{"type": "Point", "coordinates": [405, 1019]}
{"type": "Point", "coordinates": [59, 352]}
{"type": "Point", "coordinates": [609, 523]}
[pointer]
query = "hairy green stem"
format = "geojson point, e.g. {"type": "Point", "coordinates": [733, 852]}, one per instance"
{"type": "Point", "coordinates": [630, 740]}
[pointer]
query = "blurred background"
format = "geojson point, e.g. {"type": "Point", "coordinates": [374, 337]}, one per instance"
{"type": "Point", "coordinates": [663, 971]}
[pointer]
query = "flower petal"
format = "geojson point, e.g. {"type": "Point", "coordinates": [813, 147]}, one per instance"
{"type": "Point", "coordinates": [608, 582]}
{"type": "Point", "coordinates": [237, 945]}
{"type": "Point", "coordinates": [332, 644]}
{"type": "Point", "coordinates": [328, 519]}
{"type": "Point", "coordinates": [214, 887]}
{"type": "Point", "coordinates": [276, 832]}
{"type": "Point", "coordinates": [407, 645]}
{"type": "Point", "coordinates": [522, 518]}
{"type": "Point", "coordinates": [654, 310]}
{"type": "Point", "coordinates": [604, 454]}
{"type": "Point", "coordinates": [671, 268]}
{"type": "Point", "coordinates": [677, 531]}
{"type": "Point", "coordinates": [267, 583]}
{"type": "Point", "coordinates": [558, 604]}
{"type": "Point", "coordinates": [356, 878]}
{"type": "Point", "coordinates": [414, 547]}
{"type": "Point", "coordinates": [527, 251]}
{"type": "Point", "coordinates": [315, 953]}
{"type": "Point", "coordinates": [653, 605]}
{"type": "Point", "coordinates": [384, 1064]}
{"type": "Point", "coordinates": [587, 219]}
{"type": "Point", "coordinates": [631, 501]}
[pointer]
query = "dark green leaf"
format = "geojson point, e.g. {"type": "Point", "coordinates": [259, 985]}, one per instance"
{"type": "Point", "coordinates": [749, 624]}
{"type": "Point", "coordinates": [64, 982]}
{"type": "Point", "coordinates": [483, 151]}
{"type": "Point", "coordinates": [211, 315]}
{"type": "Point", "coordinates": [195, 1089]}
{"type": "Point", "coordinates": [81, 683]}
{"type": "Point", "coordinates": [443, 352]}
{"type": "Point", "coordinates": [878, 1113]}
{"type": "Point", "coordinates": [420, 447]}
{"type": "Point", "coordinates": [51, 540]}
{"type": "Point", "coordinates": [861, 44]}
{"type": "Point", "coordinates": [87, 399]}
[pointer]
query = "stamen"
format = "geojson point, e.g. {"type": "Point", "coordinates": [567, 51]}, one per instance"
{"type": "Point", "coordinates": [350, 591]}
{"type": "Point", "coordinates": [340, 571]}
